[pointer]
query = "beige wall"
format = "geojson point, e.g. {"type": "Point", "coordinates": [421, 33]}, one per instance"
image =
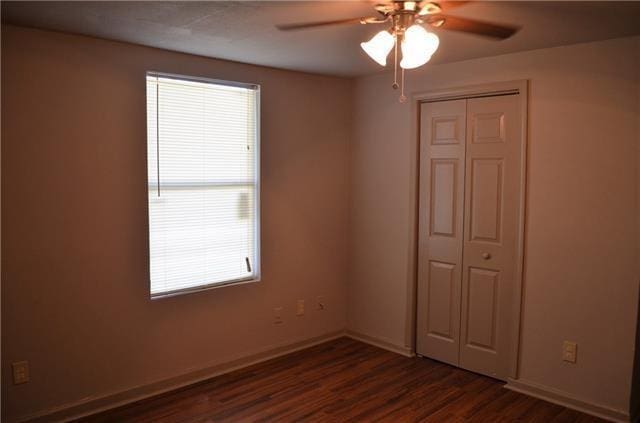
{"type": "Point", "coordinates": [75, 296]}
{"type": "Point", "coordinates": [581, 276]}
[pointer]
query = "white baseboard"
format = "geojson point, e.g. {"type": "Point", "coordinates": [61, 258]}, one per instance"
{"type": "Point", "coordinates": [377, 342]}
{"type": "Point", "coordinates": [567, 400]}
{"type": "Point", "coordinates": [99, 403]}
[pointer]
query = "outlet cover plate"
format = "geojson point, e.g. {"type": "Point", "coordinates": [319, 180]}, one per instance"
{"type": "Point", "coordinates": [20, 372]}
{"type": "Point", "coordinates": [569, 351]}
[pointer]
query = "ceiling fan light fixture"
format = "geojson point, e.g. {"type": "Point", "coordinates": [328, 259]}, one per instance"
{"type": "Point", "coordinates": [417, 46]}
{"type": "Point", "coordinates": [414, 62]}
{"type": "Point", "coordinates": [379, 46]}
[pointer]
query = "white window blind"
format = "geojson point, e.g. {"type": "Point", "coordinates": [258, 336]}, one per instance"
{"type": "Point", "coordinates": [203, 178]}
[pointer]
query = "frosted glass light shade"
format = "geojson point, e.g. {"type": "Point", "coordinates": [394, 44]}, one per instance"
{"type": "Point", "coordinates": [417, 47]}
{"type": "Point", "coordinates": [379, 46]}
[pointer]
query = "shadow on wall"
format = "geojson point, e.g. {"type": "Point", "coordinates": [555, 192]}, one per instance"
{"type": "Point", "coordinates": [634, 406]}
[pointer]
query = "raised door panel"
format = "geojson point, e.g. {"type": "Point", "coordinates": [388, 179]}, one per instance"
{"type": "Point", "coordinates": [486, 200]}
{"type": "Point", "coordinates": [440, 297]}
{"type": "Point", "coordinates": [444, 188]}
{"type": "Point", "coordinates": [447, 130]}
{"type": "Point", "coordinates": [488, 128]}
{"type": "Point", "coordinates": [442, 141]}
{"type": "Point", "coordinates": [482, 309]}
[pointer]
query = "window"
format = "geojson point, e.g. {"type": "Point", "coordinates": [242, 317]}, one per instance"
{"type": "Point", "coordinates": [203, 178]}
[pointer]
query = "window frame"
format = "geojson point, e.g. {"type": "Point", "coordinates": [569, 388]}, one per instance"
{"type": "Point", "coordinates": [256, 267]}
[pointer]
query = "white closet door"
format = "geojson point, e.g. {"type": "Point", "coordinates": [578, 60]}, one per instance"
{"type": "Point", "coordinates": [492, 184]}
{"type": "Point", "coordinates": [442, 161]}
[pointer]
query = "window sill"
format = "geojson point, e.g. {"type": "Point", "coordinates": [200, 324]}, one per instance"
{"type": "Point", "coordinates": [185, 291]}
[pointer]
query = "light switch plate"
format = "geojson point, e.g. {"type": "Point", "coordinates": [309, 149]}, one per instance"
{"type": "Point", "coordinates": [300, 308]}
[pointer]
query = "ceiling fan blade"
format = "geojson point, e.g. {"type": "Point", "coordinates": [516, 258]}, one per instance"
{"type": "Point", "coordinates": [306, 25]}
{"type": "Point", "coordinates": [445, 6]}
{"type": "Point", "coordinates": [473, 26]}
{"type": "Point", "coordinates": [425, 6]}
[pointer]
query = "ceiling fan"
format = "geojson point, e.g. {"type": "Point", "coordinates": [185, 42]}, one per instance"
{"type": "Point", "coordinates": [407, 20]}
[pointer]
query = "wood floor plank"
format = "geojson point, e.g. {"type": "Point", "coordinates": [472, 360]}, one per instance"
{"type": "Point", "coordinates": [344, 381]}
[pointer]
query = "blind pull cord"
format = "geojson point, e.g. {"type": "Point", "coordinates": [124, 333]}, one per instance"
{"type": "Point", "coordinates": [158, 134]}
{"type": "Point", "coordinates": [246, 259]}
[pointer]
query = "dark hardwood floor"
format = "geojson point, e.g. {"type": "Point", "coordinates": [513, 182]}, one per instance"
{"type": "Point", "coordinates": [344, 380]}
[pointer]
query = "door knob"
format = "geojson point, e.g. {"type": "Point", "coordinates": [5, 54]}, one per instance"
{"type": "Point", "coordinates": [486, 256]}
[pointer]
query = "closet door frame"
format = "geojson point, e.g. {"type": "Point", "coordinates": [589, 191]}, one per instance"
{"type": "Point", "coordinates": [519, 87]}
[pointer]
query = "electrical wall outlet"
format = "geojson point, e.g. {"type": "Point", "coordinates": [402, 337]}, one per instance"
{"type": "Point", "coordinates": [277, 316]}
{"type": "Point", "coordinates": [569, 351]}
{"type": "Point", "coordinates": [300, 308]}
{"type": "Point", "coordinates": [20, 372]}
{"type": "Point", "coordinates": [321, 305]}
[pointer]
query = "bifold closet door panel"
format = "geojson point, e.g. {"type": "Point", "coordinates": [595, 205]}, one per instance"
{"type": "Point", "coordinates": [442, 161]}
{"type": "Point", "coordinates": [492, 202]}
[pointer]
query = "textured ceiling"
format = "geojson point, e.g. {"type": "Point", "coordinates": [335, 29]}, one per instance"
{"type": "Point", "coordinates": [244, 31]}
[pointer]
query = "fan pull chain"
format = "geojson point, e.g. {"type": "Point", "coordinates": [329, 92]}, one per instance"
{"type": "Point", "coordinates": [395, 62]}
{"type": "Point", "coordinates": [402, 98]}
